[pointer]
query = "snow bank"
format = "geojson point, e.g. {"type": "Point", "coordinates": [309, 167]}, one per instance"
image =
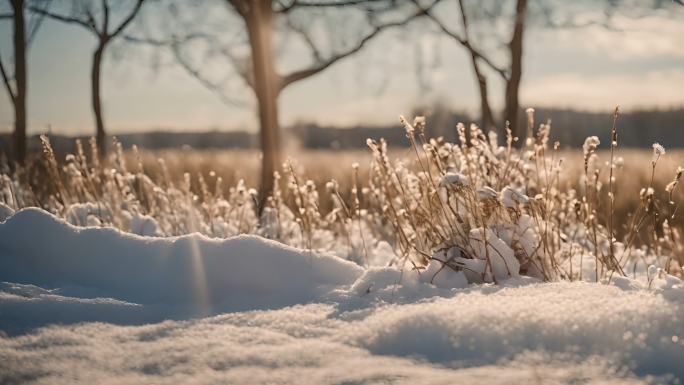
{"type": "Point", "coordinates": [347, 325]}
{"type": "Point", "coordinates": [544, 333]}
{"type": "Point", "coordinates": [37, 248]}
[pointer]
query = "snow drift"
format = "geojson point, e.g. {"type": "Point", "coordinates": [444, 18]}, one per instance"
{"type": "Point", "coordinates": [545, 333]}
{"type": "Point", "coordinates": [330, 321]}
{"type": "Point", "coordinates": [37, 248]}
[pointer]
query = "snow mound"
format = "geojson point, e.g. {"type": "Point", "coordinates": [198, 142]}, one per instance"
{"type": "Point", "coordinates": [135, 310]}
{"type": "Point", "coordinates": [565, 333]}
{"type": "Point", "coordinates": [39, 249]}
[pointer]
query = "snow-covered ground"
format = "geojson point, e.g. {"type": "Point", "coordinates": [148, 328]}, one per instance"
{"type": "Point", "coordinates": [96, 305]}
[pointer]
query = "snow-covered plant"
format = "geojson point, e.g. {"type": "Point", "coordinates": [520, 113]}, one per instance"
{"type": "Point", "coordinates": [494, 213]}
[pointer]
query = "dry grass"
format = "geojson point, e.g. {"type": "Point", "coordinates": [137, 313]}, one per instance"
{"type": "Point", "coordinates": [474, 206]}
{"type": "Point", "coordinates": [321, 166]}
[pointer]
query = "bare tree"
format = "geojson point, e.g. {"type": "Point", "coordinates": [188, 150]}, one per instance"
{"type": "Point", "coordinates": [511, 75]}
{"type": "Point", "coordinates": [517, 15]}
{"type": "Point", "coordinates": [251, 50]}
{"type": "Point", "coordinates": [515, 48]}
{"type": "Point", "coordinates": [15, 81]}
{"type": "Point", "coordinates": [96, 16]}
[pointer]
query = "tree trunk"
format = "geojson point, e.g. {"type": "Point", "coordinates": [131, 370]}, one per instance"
{"type": "Point", "coordinates": [19, 99]}
{"type": "Point", "coordinates": [259, 28]}
{"type": "Point", "coordinates": [513, 84]}
{"type": "Point", "coordinates": [487, 118]}
{"type": "Point", "coordinates": [97, 108]}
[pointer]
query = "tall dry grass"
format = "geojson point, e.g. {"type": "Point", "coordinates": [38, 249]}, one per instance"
{"type": "Point", "coordinates": [321, 166]}
{"type": "Point", "coordinates": [491, 210]}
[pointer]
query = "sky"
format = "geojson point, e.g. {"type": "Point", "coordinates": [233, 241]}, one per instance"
{"type": "Point", "coordinates": [639, 65]}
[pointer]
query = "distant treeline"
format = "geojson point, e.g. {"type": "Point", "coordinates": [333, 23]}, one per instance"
{"type": "Point", "coordinates": [636, 129]}
{"type": "Point", "coordinates": [150, 140]}
{"type": "Point", "coordinates": [570, 128]}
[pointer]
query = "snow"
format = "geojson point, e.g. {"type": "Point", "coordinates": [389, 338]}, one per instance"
{"type": "Point", "coordinates": [187, 269]}
{"type": "Point", "coordinates": [496, 335]}
{"type": "Point", "coordinates": [454, 179]}
{"type": "Point", "coordinates": [145, 225]}
{"type": "Point", "coordinates": [504, 264]}
{"type": "Point", "coordinates": [513, 199]}
{"type": "Point", "coordinates": [95, 305]}
{"type": "Point", "coordinates": [441, 275]}
{"type": "Point", "coordinates": [86, 214]}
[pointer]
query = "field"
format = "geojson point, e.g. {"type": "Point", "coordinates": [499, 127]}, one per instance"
{"type": "Point", "coordinates": [321, 166]}
{"type": "Point", "coordinates": [480, 260]}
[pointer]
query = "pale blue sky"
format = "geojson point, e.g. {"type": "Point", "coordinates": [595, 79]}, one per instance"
{"type": "Point", "coordinates": [588, 69]}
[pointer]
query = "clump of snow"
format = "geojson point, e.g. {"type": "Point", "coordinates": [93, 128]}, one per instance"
{"type": "Point", "coordinates": [454, 179]}
{"type": "Point", "coordinates": [503, 262]}
{"type": "Point", "coordinates": [445, 273]}
{"type": "Point", "coordinates": [87, 214]}
{"type": "Point", "coordinates": [487, 193]}
{"type": "Point", "coordinates": [658, 150]}
{"type": "Point", "coordinates": [513, 199]}
{"type": "Point", "coordinates": [590, 144]}
{"type": "Point", "coordinates": [490, 260]}
{"type": "Point", "coordinates": [376, 279]}
{"type": "Point", "coordinates": [382, 254]}
{"type": "Point", "coordinates": [146, 226]}
{"type": "Point", "coordinates": [525, 240]}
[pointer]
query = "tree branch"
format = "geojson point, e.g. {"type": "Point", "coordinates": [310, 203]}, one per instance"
{"type": "Point", "coordinates": [464, 18]}
{"type": "Point", "coordinates": [36, 26]}
{"type": "Point", "coordinates": [6, 16]}
{"type": "Point", "coordinates": [7, 82]}
{"type": "Point", "coordinates": [174, 45]}
{"type": "Point", "coordinates": [465, 43]}
{"type": "Point", "coordinates": [284, 8]}
{"type": "Point", "coordinates": [204, 81]}
{"type": "Point", "coordinates": [105, 10]}
{"type": "Point", "coordinates": [307, 39]}
{"type": "Point", "coordinates": [243, 71]}
{"type": "Point", "coordinates": [129, 18]}
{"type": "Point", "coordinates": [91, 20]}
{"type": "Point", "coordinates": [299, 75]}
{"type": "Point", "coordinates": [65, 19]}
